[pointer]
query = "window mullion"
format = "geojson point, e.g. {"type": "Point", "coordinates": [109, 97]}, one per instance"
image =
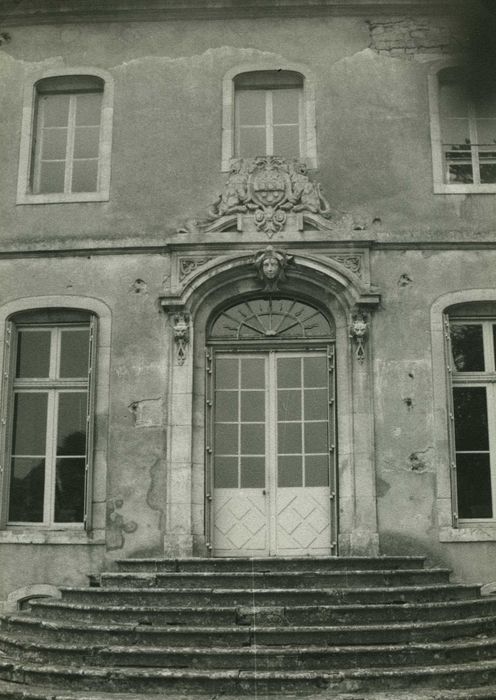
{"type": "Point", "coordinates": [71, 135]}
{"type": "Point", "coordinates": [474, 147]}
{"type": "Point", "coordinates": [491, 415]}
{"type": "Point", "coordinates": [269, 123]}
{"type": "Point", "coordinates": [50, 458]}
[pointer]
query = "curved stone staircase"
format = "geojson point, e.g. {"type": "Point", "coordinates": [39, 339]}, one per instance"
{"type": "Point", "coordinates": [331, 627]}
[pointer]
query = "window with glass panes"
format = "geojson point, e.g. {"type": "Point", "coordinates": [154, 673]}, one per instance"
{"type": "Point", "coordinates": [468, 131]}
{"type": "Point", "coordinates": [473, 416]}
{"type": "Point", "coordinates": [66, 149]}
{"type": "Point", "coordinates": [268, 114]}
{"type": "Point", "coordinates": [49, 441]}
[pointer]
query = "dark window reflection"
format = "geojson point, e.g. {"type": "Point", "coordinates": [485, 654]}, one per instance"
{"type": "Point", "coordinates": [27, 488]}
{"type": "Point", "coordinates": [69, 490]}
{"type": "Point", "coordinates": [470, 409]}
{"type": "Point", "coordinates": [474, 486]}
{"type": "Point", "coordinates": [467, 347]}
{"type": "Point", "coordinates": [33, 354]}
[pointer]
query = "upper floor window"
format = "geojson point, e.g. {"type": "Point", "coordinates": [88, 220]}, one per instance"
{"type": "Point", "coordinates": [67, 140]}
{"type": "Point", "coordinates": [268, 114]}
{"type": "Point", "coordinates": [65, 148]}
{"type": "Point", "coordinates": [49, 418]}
{"type": "Point", "coordinates": [463, 135]}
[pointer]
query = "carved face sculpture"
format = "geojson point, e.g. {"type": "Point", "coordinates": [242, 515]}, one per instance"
{"type": "Point", "coordinates": [270, 267]}
{"type": "Point", "coordinates": [359, 328]}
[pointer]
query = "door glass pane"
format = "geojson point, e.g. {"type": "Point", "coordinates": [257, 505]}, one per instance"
{"type": "Point", "coordinates": [316, 437]}
{"type": "Point", "coordinates": [71, 429]}
{"type": "Point", "coordinates": [316, 470]}
{"type": "Point", "coordinates": [33, 354]}
{"type": "Point", "coordinates": [252, 142]}
{"type": "Point", "coordinates": [226, 438]}
{"type": "Point", "coordinates": [226, 405]}
{"type": "Point", "coordinates": [52, 177]}
{"type": "Point", "coordinates": [69, 490]}
{"type": "Point", "coordinates": [285, 106]}
{"type": "Point", "coordinates": [55, 109]}
{"type": "Point", "coordinates": [250, 107]}
{"type": "Point", "coordinates": [290, 471]}
{"type": "Point", "coordinates": [74, 353]}
{"type": "Point", "coordinates": [316, 404]}
{"type": "Point", "coordinates": [226, 373]}
{"type": "Point", "coordinates": [286, 140]}
{"type": "Point", "coordinates": [252, 373]}
{"type": "Point", "coordinates": [473, 476]}
{"type": "Point", "coordinates": [467, 347]}
{"type": "Point", "coordinates": [252, 472]}
{"type": "Point", "coordinates": [84, 176]}
{"type": "Point", "coordinates": [27, 488]}
{"type": "Point", "coordinates": [289, 404]}
{"type": "Point", "coordinates": [54, 144]}
{"type": "Point", "coordinates": [30, 423]}
{"type": "Point", "coordinates": [88, 109]}
{"type": "Point", "coordinates": [315, 371]}
{"type": "Point", "coordinates": [252, 438]}
{"type": "Point", "coordinates": [226, 472]}
{"type": "Point", "coordinates": [253, 406]}
{"type": "Point", "coordinates": [288, 372]}
{"type": "Point", "coordinates": [289, 438]}
{"type": "Point", "coordinates": [86, 142]}
{"type": "Point", "coordinates": [470, 409]}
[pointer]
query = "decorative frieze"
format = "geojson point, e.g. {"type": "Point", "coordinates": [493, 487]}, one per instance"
{"type": "Point", "coordinates": [190, 264]}
{"type": "Point", "coordinates": [352, 262]}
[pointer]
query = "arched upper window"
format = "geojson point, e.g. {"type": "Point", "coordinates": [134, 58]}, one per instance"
{"type": "Point", "coordinates": [271, 319]}
{"type": "Point", "coordinates": [268, 112]}
{"type": "Point", "coordinates": [65, 149]}
{"type": "Point", "coordinates": [463, 134]}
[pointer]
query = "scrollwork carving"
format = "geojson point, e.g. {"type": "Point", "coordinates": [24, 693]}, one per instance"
{"type": "Point", "coordinates": [180, 326]}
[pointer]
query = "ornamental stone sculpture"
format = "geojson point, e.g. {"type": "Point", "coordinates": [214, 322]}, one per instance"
{"type": "Point", "coordinates": [271, 266]}
{"type": "Point", "coordinates": [359, 329]}
{"type": "Point", "coordinates": [269, 188]}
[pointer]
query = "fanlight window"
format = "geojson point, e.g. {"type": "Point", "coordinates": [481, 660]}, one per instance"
{"type": "Point", "coordinates": [271, 318]}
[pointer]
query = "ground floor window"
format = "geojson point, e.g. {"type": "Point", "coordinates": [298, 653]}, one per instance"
{"type": "Point", "coordinates": [472, 364]}
{"type": "Point", "coordinates": [48, 418]}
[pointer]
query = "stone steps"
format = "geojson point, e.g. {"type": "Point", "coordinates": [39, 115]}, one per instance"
{"type": "Point", "coordinates": [273, 564]}
{"type": "Point", "coordinates": [255, 657]}
{"type": "Point", "coordinates": [297, 627]}
{"type": "Point", "coordinates": [276, 596]}
{"type": "Point", "coordinates": [276, 579]}
{"type": "Point", "coordinates": [54, 609]}
{"type": "Point", "coordinates": [251, 683]}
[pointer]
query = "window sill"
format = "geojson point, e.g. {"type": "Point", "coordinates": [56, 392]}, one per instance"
{"type": "Point", "coordinates": [29, 536]}
{"type": "Point", "coordinates": [440, 188]}
{"type": "Point", "coordinates": [61, 198]}
{"type": "Point", "coordinates": [476, 532]}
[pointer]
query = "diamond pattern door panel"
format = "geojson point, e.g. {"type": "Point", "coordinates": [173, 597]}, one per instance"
{"type": "Point", "coordinates": [240, 522]}
{"type": "Point", "coordinates": [303, 521]}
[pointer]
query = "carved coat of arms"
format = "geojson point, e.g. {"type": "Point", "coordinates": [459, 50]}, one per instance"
{"type": "Point", "coordinates": [268, 187]}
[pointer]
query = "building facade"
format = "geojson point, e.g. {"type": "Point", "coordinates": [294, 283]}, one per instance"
{"type": "Point", "coordinates": [248, 302]}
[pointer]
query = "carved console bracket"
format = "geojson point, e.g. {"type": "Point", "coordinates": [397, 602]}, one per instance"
{"type": "Point", "coordinates": [180, 322]}
{"type": "Point", "coordinates": [359, 330]}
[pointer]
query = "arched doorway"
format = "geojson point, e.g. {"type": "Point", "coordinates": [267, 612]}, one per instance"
{"type": "Point", "coordinates": [270, 429]}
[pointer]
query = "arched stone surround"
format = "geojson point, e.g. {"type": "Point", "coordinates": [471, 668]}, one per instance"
{"type": "Point", "coordinates": [335, 290]}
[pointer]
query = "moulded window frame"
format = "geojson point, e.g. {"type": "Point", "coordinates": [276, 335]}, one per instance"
{"type": "Point", "coordinates": [25, 195]}
{"type": "Point", "coordinates": [308, 138]}
{"type": "Point", "coordinates": [452, 530]}
{"type": "Point", "coordinates": [485, 379]}
{"type": "Point", "coordinates": [53, 386]}
{"type": "Point", "coordinates": [93, 530]}
{"type": "Point", "coordinates": [438, 164]}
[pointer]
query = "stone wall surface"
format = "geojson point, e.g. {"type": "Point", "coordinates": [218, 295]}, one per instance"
{"type": "Point", "coordinates": [374, 162]}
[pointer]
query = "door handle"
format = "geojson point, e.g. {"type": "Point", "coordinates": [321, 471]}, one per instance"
{"type": "Point", "coordinates": [264, 492]}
